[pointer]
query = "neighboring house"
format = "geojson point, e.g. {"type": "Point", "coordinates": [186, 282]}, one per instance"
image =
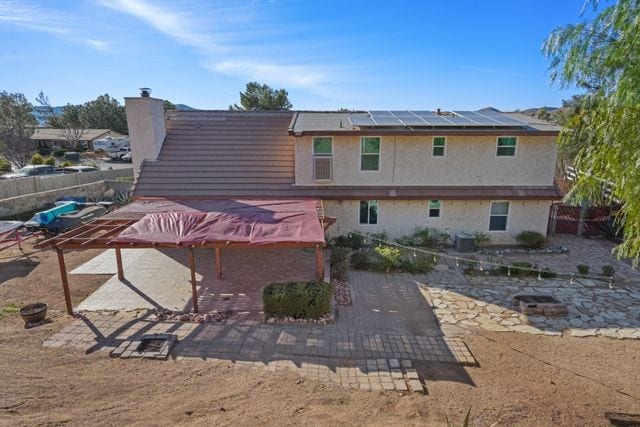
{"type": "Point", "coordinates": [381, 171]}
{"type": "Point", "coordinates": [54, 138]}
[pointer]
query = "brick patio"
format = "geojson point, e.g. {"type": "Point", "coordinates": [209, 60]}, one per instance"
{"type": "Point", "coordinates": [374, 344]}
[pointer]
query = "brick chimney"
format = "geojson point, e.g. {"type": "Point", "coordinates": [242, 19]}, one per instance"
{"type": "Point", "coordinates": [145, 118]}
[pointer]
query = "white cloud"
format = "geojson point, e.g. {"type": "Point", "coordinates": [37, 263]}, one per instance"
{"type": "Point", "coordinates": [25, 15]}
{"type": "Point", "coordinates": [221, 52]}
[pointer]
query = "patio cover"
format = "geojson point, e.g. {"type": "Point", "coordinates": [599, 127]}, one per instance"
{"type": "Point", "coordinates": [224, 222]}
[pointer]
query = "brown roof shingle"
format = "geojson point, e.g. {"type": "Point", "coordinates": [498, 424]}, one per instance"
{"type": "Point", "coordinates": [221, 154]}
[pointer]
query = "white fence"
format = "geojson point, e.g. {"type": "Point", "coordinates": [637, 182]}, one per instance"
{"type": "Point", "coordinates": [37, 184]}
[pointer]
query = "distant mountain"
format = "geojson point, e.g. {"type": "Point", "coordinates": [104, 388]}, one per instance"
{"type": "Point", "coordinates": [41, 113]}
{"type": "Point", "coordinates": [534, 111]}
{"type": "Point", "coordinates": [183, 107]}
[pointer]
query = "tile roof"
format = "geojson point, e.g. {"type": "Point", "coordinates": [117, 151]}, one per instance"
{"type": "Point", "coordinates": [222, 154]}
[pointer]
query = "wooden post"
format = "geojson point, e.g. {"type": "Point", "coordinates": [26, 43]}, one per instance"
{"type": "Point", "coordinates": [65, 282]}
{"type": "Point", "coordinates": [319, 263]}
{"type": "Point", "coordinates": [218, 263]}
{"type": "Point", "coordinates": [119, 263]}
{"type": "Point", "coordinates": [192, 267]}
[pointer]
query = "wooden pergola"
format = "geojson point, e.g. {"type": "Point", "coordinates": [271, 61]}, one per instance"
{"type": "Point", "coordinates": [100, 234]}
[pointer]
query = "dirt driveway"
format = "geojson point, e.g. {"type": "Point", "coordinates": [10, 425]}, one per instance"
{"type": "Point", "coordinates": [523, 379]}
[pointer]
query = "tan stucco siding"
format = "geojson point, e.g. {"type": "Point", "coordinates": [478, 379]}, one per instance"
{"type": "Point", "coordinates": [401, 217]}
{"type": "Point", "coordinates": [407, 160]}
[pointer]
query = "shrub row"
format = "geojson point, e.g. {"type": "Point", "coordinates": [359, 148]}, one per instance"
{"type": "Point", "coordinates": [300, 300]}
{"type": "Point", "coordinates": [387, 259]}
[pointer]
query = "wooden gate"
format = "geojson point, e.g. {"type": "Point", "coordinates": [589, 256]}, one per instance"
{"type": "Point", "coordinates": [579, 221]}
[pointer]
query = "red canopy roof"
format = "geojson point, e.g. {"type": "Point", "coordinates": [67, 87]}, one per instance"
{"type": "Point", "coordinates": [198, 222]}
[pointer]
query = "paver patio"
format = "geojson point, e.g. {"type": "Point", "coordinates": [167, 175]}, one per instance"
{"type": "Point", "coordinates": [373, 344]}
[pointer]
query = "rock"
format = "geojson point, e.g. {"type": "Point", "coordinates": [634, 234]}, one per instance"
{"type": "Point", "coordinates": [583, 333]}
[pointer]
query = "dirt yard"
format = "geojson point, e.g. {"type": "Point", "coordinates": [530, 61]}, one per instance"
{"type": "Point", "coordinates": [522, 379]}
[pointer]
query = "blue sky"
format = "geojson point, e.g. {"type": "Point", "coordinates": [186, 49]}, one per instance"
{"type": "Point", "coordinates": [463, 54]}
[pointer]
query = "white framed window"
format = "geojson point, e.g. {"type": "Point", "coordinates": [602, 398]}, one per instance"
{"type": "Point", "coordinates": [369, 210]}
{"type": "Point", "coordinates": [370, 153]}
{"type": "Point", "coordinates": [506, 146]}
{"type": "Point", "coordinates": [499, 216]}
{"type": "Point", "coordinates": [435, 208]}
{"type": "Point", "coordinates": [322, 158]}
{"type": "Point", "coordinates": [438, 146]}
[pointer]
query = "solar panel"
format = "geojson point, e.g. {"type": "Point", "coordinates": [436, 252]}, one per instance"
{"type": "Point", "coordinates": [413, 121]}
{"type": "Point", "coordinates": [381, 113]}
{"type": "Point", "coordinates": [361, 121]}
{"type": "Point", "coordinates": [410, 118]}
{"type": "Point", "coordinates": [387, 121]}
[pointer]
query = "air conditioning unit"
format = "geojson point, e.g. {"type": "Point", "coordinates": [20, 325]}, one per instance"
{"type": "Point", "coordinates": [465, 242]}
{"type": "Point", "coordinates": [322, 168]}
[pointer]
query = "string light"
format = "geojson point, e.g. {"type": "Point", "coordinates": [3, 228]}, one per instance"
{"type": "Point", "coordinates": [368, 239]}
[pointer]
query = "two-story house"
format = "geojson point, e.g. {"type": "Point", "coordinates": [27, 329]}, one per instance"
{"type": "Point", "coordinates": [373, 171]}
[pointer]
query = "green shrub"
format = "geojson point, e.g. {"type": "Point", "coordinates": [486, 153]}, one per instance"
{"type": "Point", "coordinates": [44, 151]}
{"type": "Point", "coordinates": [583, 269]}
{"type": "Point", "coordinates": [531, 239]}
{"type": "Point", "coordinates": [389, 258]}
{"type": "Point", "coordinates": [339, 270]}
{"type": "Point", "coordinates": [378, 239]}
{"type": "Point", "coordinates": [66, 163]}
{"type": "Point", "coordinates": [360, 260]}
{"type": "Point", "coordinates": [608, 270]}
{"type": "Point", "coordinates": [481, 238]}
{"type": "Point", "coordinates": [50, 161]}
{"type": "Point", "coordinates": [420, 264]}
{"type": "Point", "coordinates": [59, 152]}
{"type": "Point", "coordinates": [339, 255]}
{"type": "Point", "coordinates": [425, 237]}
{"type": "Point", "coordinates": [519, 268]}
{"type": "Point", "coordinates": [37, 159]}
{"type": "Point", "coordinates": [300, 300]}
{"type": "Point", "coordinates": [5, 166]}
{"type": "Point", "coordinates": [352, 240]}
{"type": "Point", "coordinates": [547, 274]}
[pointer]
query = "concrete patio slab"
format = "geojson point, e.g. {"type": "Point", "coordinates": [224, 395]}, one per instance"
{"type": "Point", "coordinates": [105, 263]}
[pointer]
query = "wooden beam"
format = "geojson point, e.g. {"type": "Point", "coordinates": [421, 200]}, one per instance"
{"type": "Point", "coordinates": [192, 267]}
{"type": "Point", "coordinates": [319, 263]}
{"type": "Point", "coordinates": [218, 263]}
{"type": "Point", "coordinates": [65, 281]}
{"type": "Point", "coordinates": [119, 264]}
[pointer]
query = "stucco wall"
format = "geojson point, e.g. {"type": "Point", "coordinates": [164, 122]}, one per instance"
{"type": "Point", "coordinates": [400, 217]}
{"type": "Point", "coordinates": [407, 160]}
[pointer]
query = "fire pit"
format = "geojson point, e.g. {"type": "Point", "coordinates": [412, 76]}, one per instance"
{"type": "Point", "coordinates": [540, 304]}
{"type": "Point", "coordinates": [34, 313]}
{"type": "Point", "coordinates": [152, 346]}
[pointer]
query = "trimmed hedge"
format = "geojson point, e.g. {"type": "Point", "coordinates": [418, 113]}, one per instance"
{"type": "Point", "coordinates": [300, 300]}
{"type": "Point", "coordinates": [531, 239]}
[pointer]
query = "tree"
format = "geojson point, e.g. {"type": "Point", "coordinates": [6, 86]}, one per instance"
{"type": "Point", "coordinates": [168, 105]}
{"type": "Point", "coordinates": [17, 125]}
{"type": "Point", "coordinates": [68, 122]}
{"type": "Point", "coordinates": [601, 56]}
{"type": "Point", "coordinates": [262, 97]}
{"type": "Point", "coordinates": [104, 112]}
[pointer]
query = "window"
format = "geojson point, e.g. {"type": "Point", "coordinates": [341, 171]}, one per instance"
{"type": "Point", "coordinates": [438, 146]}
{"type": "Point", "coordinates": [322, 158]}
{"type": "Point", "coordinates": [506, 146]}
{"type": "Point", "coordinates": [499, 215]}
{"type": "Point", "coordinates": [369, 212]}
{"type": "Point", "coordinates": [434, 208]}
{"type": "Point", "coordinates": [370, 154]}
